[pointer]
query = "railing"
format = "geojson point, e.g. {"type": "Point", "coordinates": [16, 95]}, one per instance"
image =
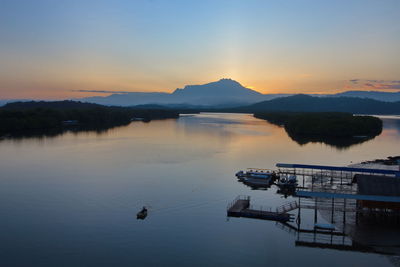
{"type": "Point", "coordinates": [326, 204]}
{"type": "Point", "coordinates": [287, 207]}
{"type": "Point", "coordinates": [325, 238]}
{"type": "Point", "coordinates": [339, 189]}
{"type": "Point", "coordinates": [240, 197]}
{"type": "Point", "coordinates": [321, 178]}
{"type": "Point", "coordinates": [260, 209]}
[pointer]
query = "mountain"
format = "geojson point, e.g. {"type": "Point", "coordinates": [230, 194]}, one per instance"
{"type": "Point", "coordinates": [381, 96]}
{"type": "Point", "coordinates": [306, 103]}
{"type": "Point", "coordinates": [225, 92]}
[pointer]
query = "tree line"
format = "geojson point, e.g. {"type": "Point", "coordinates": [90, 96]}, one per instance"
{"type": "Point", "coordinates": [24, 116]}
{"type": "Point", "coordinates": [332, 124]}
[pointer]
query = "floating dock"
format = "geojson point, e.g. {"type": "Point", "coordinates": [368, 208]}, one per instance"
{"type": "Point", "coordinates": [240, 207]}
{"type": "Point", "coordinates": [343, 197]}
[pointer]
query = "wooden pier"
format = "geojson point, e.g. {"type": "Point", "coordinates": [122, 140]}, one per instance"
{"type": "Point", "coordinates": [241, 207]}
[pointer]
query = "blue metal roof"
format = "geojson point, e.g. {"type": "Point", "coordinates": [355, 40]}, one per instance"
{"type": "Point", "coordinates": [347, 196]}
{"type": "Point", "coordinates": [334, 168]}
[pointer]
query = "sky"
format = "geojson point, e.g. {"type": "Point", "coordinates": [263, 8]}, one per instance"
{"type": "Point", "coordinates": [65, 48]}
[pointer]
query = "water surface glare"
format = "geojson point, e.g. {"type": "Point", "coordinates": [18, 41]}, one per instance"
{"type": "Point", "coordinates": [71, 200]}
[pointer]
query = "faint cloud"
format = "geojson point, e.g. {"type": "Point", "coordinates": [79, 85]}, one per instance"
{"type": "Point", "coordinates": [360, 84]}
{"type": "Point", "coordinates": [102, 91]}
{"type": "Point", "coordinates": [389, 86]}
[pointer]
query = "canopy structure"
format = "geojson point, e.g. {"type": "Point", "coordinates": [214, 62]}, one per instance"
{"type": "Point", "coordinates": [341, 169]}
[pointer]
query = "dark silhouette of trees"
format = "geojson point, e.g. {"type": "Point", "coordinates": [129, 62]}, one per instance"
{"type": "Point", "coordinates": [25, 116]}
{"type": "Point", "coordinates": [333, 128]}
{"type": "Point", "coordinates": [306, 103]}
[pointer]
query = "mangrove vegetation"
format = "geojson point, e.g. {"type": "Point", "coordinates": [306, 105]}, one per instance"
{"type": "Point", "coordinates": [333, 128]}
{"type": "Point", "coordinates": [56, 116]}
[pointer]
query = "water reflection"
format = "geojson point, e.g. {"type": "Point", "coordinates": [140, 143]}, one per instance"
{"type": "Point", "coordinates": [389, 123]}
{"type": "Point", "coordinates": [73, 197]}
{"type": "Point", "coordinates": [256, 185]}
{"type": "Point", "coordinates": [337, 142]}
{"type": "Point", "coordinates": [224, 126]}
{"type": "Point", "coordinates": [336, 223]}
{"type": "Point", "coordinates": [54, 132]}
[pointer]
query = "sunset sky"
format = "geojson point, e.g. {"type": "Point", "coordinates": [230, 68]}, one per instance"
{"type": "Point", "coordinates": [52, 49]}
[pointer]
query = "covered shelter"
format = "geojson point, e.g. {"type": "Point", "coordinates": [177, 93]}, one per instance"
{"type": "Point", "coordinates": [377, 185]}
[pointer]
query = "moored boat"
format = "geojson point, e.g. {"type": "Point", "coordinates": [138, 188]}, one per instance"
{"type": "Point", "coordinates": [285, 180]}
{"type": "Point", "coordinates": [256, 174]}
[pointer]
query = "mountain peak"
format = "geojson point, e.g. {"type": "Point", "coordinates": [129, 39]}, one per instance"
{"type": "Point", "coordinates": [222, 86]}
{"type": "Point", "coordinates": [228, 82]}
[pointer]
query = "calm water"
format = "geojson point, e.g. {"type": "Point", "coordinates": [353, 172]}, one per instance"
{"type": "Point", "coordinates": [71, 200]}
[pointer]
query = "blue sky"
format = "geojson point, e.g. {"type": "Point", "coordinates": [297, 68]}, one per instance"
{"type": "Point", "coordinates": [50, 49]}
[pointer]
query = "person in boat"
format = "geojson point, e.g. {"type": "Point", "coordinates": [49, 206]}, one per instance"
{"type": "Point", "coordinates": [142, 214]}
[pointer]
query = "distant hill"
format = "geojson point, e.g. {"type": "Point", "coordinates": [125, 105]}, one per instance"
{"type": "Point", "coordinates": [305, 103]}
{"type": "Point", "coordinates": [376, 95]}
{"type": "Point", "coordinates": [65, 104]}
{"type": "Point", "coordinates": [5, 101]}
{"type": "Point", "coordinates": [129, 99]}
{"type": "Point", "coordinates": [225, 92]}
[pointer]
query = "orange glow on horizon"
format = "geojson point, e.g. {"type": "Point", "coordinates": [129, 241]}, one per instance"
{"type": "Point", "coordinates": [81, 88]}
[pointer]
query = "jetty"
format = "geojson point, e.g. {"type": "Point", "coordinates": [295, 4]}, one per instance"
{"type": "Point", "coordinates": [240, 207]}
{"type": "Point", "coordinates": [340, 197]}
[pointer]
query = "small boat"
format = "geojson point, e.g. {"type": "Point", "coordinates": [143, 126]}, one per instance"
{"type": "Point", "coordinates": [287, 181]}
{"type": "Point", "coordinates": [325, 226]}
{"type": "Point", "coordinates": [256, 174]}
{"type": "Point", "coordinates": [256, 177]}
{"type": "Point", "coordinates": [141, 215]}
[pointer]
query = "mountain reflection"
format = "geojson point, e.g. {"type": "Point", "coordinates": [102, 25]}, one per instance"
{"type": "Point", "coordinates": [226, 128]}
{"type": "Point", "coordinates": [337, 142]}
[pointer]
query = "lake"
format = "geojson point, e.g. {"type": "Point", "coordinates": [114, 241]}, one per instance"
{"type": "Point", "coordinates": [72, 199]}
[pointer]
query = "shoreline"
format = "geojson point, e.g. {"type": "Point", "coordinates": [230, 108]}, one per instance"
{"type": "Point", "coordinates": [390, 163]}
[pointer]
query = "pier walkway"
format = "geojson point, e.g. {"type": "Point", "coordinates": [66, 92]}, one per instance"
{"type": "Point", "coordinates": [241, 207]}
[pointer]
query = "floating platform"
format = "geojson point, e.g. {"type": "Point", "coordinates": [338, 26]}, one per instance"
{"type": "Point", "coordinates": [240, 207]}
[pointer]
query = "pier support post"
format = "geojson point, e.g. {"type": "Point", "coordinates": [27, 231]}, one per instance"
{"type": "Point", "coordinates": [344, 212]}
{"type": "Point", "coordinates": [299, 216]}
{"type": "Point", "coordinates": [315, 211]}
